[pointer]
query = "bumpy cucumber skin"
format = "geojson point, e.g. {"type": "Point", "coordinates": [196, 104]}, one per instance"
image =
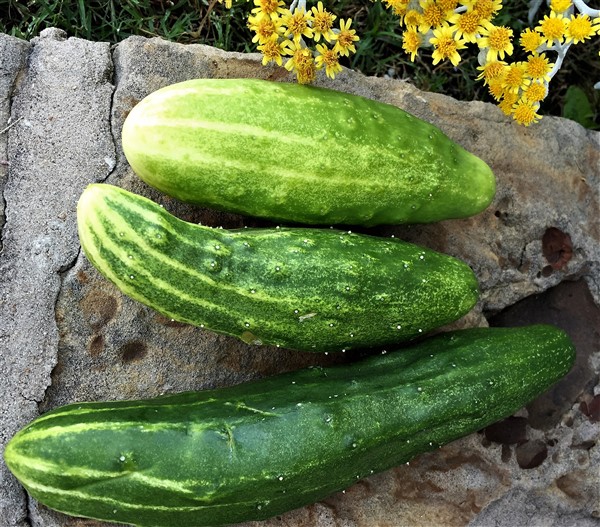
{"type": "Point", "coordinates": [300, 288]}
{"type": "Point", "coordinates": [259, 449]}
{"type": "Point", "coordinates": [302, 154]}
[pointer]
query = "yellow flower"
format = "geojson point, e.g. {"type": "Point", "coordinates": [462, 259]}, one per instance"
{"type": "Point", "coordinates": [531, 40]}
{"type": "Point", "coordinates": [345, 38]}
{"type": "Point", "coordinates": [535, 92]}
{"type": "Point", "coordinates": [494, 69]}
{"type": "Point", "coordinates": [516, 77]}
{"type": "Point", "coordinates": [328, 58]}
{"type": "Point", "coordinates": [297, 24]}
{"type": "Point", "coordinates": [399, 7]}
{"type": "Point", "coordinates": [411, 41]}
{"type": "Point", "coordinates": [496, 88]}
{"type": "Point", "coordinates": [507, 103]}
{"type": "Point", "coordinates": [469, 4]}
{"type": "Point", "coordinates": [560, 6]}
{"type": "Point", "coordinates": [322, 23]}
{"type": "Point", "coordinates": [467, 25]}
{"type": "Point", "coordinates": [524, 112]}
{"type": "Point", "coordinates": [272, 49]}
{"type": "Point", "coordinates": [412, 18]}
{"type": "Point", "coordinates": [579, 28]}
{"type": "Point", "coordinates": [448, 5]}
{"type": "Point", "coordinates": [302, 62]}
{"type": "Point", "coordinates": [264, 27]}
{"type": "Point", "coordinates": [497, 40]}
{"type": "Point", "coordinates": [487, 8]}
{"type": "Point", "coordinates": [270, 8]}
{"type": "Point", "coordinates": [552, 28]}
{"type": "Point", "coordinates": [538, 67]}
{"type": "Point", "coordinates": [445, 46]}
{"type": "Point", "coordinates": [432, 15]}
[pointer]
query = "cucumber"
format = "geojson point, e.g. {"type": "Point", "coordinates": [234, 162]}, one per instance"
{"type": "Point", "coordinates": [303, 154]}
{"type": "Point", "coordinates": [300, 288]}
{"type": "Point", "coordinates": [258, 449]}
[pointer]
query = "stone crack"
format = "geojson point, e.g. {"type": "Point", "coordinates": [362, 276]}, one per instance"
{"type": "Point", "coordinates": [4, 136]}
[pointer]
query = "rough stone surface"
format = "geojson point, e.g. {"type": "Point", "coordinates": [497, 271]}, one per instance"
{"type": "Point", "coordinates": [61, 143]}
{"type": "Point", "coordinates": [13, 54]}
{"type": "Point", "coordinates": [69, 335]}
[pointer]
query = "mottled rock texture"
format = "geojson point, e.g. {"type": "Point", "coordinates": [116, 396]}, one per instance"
{"type": "Point", "coordinates": [68, 335]}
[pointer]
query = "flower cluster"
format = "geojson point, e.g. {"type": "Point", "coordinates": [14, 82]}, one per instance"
{"type": "Point", "coordinates": [291, 32]}
{"type": "Point", "coordinates": [449, 26]}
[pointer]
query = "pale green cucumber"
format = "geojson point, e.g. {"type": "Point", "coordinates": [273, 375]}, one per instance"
{"type": "Point", "coordinates": [303, 154]}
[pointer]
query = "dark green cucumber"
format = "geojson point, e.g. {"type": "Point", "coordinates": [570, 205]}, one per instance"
{"type": "Point", "coordinates": [300, 153]}
{"type": "Point", "coordinates": [300, 288]}
{"type": "Point", "coordinates": [259, 449]}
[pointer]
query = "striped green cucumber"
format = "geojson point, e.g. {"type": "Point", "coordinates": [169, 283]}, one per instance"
{"type": "Point", "coordinates": [299, 153]}
{"type": "Point", "coordinates": [301, 288]}
{"type": "Point", "coordinates": [259, 449]}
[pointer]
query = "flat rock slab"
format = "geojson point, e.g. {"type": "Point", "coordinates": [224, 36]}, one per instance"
{"type": "Point", "coordinates": [68, 335]}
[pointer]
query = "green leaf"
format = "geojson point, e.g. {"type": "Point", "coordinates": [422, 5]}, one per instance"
{"type": "Point", "coordinates": [578, 107]}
